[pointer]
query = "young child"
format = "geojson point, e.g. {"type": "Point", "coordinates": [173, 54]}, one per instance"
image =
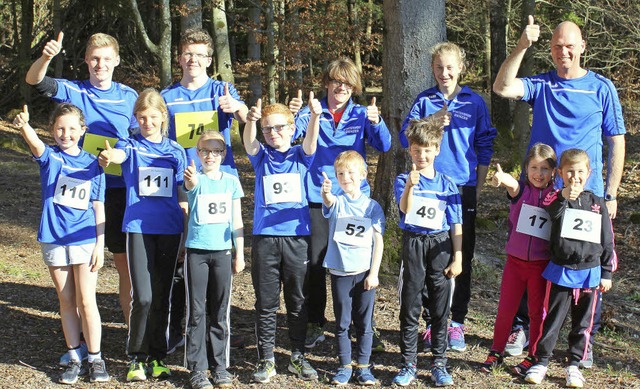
{"type": "Point", "coordinates": [354, 253]}
{"type": "Point", "coordinates": [527, 252]}
{"type": "Point", "coordinates": [581, 262]}
{"type": "Point", "coordinates": [466, 151]}
{"type": "Point", "coordinates": [215, 224]}
{"type": "Point", "coordinates": [431, 217]}
{"type": "Point", "coordinates": [71, 232]}
{"type": "Point", "coordinates": [152, 167]}
{"type": "Point", "coordinates": [281, 230]}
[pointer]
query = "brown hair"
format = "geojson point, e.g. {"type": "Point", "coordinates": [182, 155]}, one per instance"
{"type": "Point", "coordinates": [66, 109]}
{"type": "Point", "coordinates": [196, 36]}
{"type": "Point", "coordinates": [424, 132]}
{"type": "Point", "coordinates": [343, 69]}
{"type": "Point", "coordinates": [151, 98]}
{"type": "Point", "coordinates": [541, 150]}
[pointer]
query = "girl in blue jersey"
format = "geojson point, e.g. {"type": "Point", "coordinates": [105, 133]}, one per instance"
{"type": "Point", "coordinates": [71, 232]}
{"type": "Point", "coordinates": [465, 154]}
{"type": "Point", "coordinates": [215, 225]}
{"type": "Point", "coordinates": [152, 167]}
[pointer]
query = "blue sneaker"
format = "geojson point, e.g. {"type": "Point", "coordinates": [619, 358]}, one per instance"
{"type": "Point", "coordinates": [456, 338]}
{"type": "Point", "coordinates": [439, 374]}
{"type": "Point", "coordinates": [406, 375]}
{"type": "Point", "coordinates": [342, 377]}
{"type": "Point", "coordinates": [365, 377]}
{"type": "Point", "coordinates": [66, 358]}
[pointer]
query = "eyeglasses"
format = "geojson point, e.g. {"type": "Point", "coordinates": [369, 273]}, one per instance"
{"type": "Point", "coordinates": [197, 56]}
{"type": "Point", "coordinates": [276, 128]}
{"type": "Point", "coordinates": [214, 152]}
{"type": "Point", "coordinates": [339, 83]}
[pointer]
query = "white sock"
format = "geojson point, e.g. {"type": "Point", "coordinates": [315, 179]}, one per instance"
{"type": "Point", "coordinates": [93, 357]}
{"type": "Point", "coordinates": [74, 354]}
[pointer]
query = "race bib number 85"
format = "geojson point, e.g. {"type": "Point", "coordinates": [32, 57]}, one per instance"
{"type": "Point", "coordinates": [214, 208]}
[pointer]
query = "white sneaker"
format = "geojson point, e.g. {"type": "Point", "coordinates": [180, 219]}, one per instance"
{"type": "Point", "coordinates": [536, 374]}
{"type": "Point", "coordinates": [574, 377]}
{"type": "Point", "coordinates": [516, 343]}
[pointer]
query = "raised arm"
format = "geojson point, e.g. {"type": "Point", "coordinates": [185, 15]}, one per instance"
{"type": "Point", "coordinates": [328, 199]}
{"type": "Point", "coordinates": [506, 83]}
{"type": "Point", "coordinates": [21, 121]}
{"type": "Point", "coordinates": [230, 105]}
{"type": "Point", "coordinates": [110, 155]}
{"type": "Point", "coordinates": [249, 137]}
{"type": "Point", "coordinates": [505, 179]}
{"type": "Point", "coordinates": [38, 69]}
{"type": "Point", "coordinates": [310, 143]}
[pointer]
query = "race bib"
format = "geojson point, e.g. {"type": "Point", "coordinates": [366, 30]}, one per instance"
{"type": "Point", "coordinates": [72, 192]}
{"type": "Point", "coordinates": [190, 125]}
{"type": "Point", "coordinates": [534, 221]}
{"type": "Point", "coordinates": [94, 144]}
{"type": "Point", "coordinates": [214, 208]}
{"type": "Point", "coordinates": [354, 231]}
{"type": "Point", "coordinates": [155, 181]}
{"type": "Point", "coordinates": [282, 188]}
{"type": "Point", "coordinates": [426, 212]}
{"type": "Point", "coordinates": [581, 225]}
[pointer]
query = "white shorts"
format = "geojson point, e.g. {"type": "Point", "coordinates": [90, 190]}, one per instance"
{"type": "Point", "coordinates": [57, 255]}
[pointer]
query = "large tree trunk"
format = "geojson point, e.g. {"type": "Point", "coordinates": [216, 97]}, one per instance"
{"type": "Point", "coordinates": [271, 51]}
{"type": "Point", "coordinates": [253, 54]}
{"type": "Point", "coordinates": [24, 51]}
{"type": "Point", "coordinates": [500, 111]}
{"type": "Point", "coordinates": [191, 16]}
{"type": "Point", "coordinates": [221, 39]}
{"type": "Point", "coordinates": [57, 26]}
{"type": "Point", "coordinates": [354, 26]}
{"type": "Point", "coordinates": [412, 27]}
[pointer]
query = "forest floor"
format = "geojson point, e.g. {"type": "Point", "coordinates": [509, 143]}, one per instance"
{"type": "Point", "coordinates": [31, 339]}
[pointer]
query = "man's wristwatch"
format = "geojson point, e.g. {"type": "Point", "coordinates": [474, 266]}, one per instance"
{"type": "Point", "coordinates": [609, 197]}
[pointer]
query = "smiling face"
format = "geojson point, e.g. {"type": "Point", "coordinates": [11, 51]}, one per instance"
{"type": "Point", "coordinates": [211, 153]}
{"type": "Point", "coordinates": [423, 156]}
{"type": "Point", "coordinates": [101, 62]}
{"type": "Point", "coordinates": [575, 172]}
{"type": "Point", "coordinates": [194, 60]}
{"type": "Point", "coordinates": [539, 172]}
{"type": "Point", "coordinates": [566, 48]}
{"type": "Point", "coordinates": [350, 176]}
{"type": "Point", "coordinates": [338, 93]}
{"type": "Point", "coordinates": [277, 131]}
{"type": "Point", "coordinates": [67, 131]}
{"type": "Point", "coordinates": [150, 121]}
{"type": "Point", "coordinates": [446, 70]}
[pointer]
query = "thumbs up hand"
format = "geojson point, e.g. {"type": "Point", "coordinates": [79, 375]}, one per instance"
{"type": "Point", "coordinates": [22, 118]}
{"type": "Point", "coordinates": [414, 176]}
{"type": "Point", "coordinates": [53, 47]}
{"type": "Point", "coordinates": [255, 113]}
{"type": "Point", "coordinates": [314, 105]}
{"type": "Point", "coordinates": [530, 34]}
{"type": "Point", "coordinates": [295, 104]}
{"type": "Point", "coordinates": [190, 172]}
{"type": "Point", "coordinates": [326, 183]}
{"type": "Point", "coordinates": [498, 178]}
{"type": "Point", "coordinates": [443, 116]}
{"type": "Point", "coordinates": [106, 156]}
{"type": "Point", "coordinates": [227, 102]}
{"type": "Point", "coordinates": [372, 112]}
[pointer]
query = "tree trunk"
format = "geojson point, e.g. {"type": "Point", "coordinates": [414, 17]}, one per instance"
{"type": "Point", "coordinates": [271, 51]}
{"type": "Point", "coordinates": [293, 18]}
{"type": "Point", "coordinates": [354, 27]}
{"type": "Point", "coordinates": [191, 16]}
{"type": "Point", "coordinates": [500, 111]}
{"type": "Point", "coordinates": [57, 27]}
{"type": "Point", "coordinates": [221, 39]}
{"type": "Point", "coordinates": [486, 24]}
{"type": "Point", "coordinates": [24, 51]}
{"type": "Point", "coordinates": [412, 28]}
{"type": "Point", "coordinates": [253, 54]}
{"type": "Point", "coordinates": [231, 22]}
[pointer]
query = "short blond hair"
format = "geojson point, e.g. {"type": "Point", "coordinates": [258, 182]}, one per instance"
{"type": "Point", "coordinates": [100, 40]}
{"type": "Point", "coordinates": [350, 157]}
{"type": "Point", "coordinates": [151, 98]}
{"type": "Point", "coordinates": [572, 156]}
{"type": "Point", "coordinates": [443, 48]}
{"type": "Point", "coordinates": [425, 132]}
{"type": "Point", "coordinates": [343, 69]}
{"type": "Point", "coordinates": [212, 135]}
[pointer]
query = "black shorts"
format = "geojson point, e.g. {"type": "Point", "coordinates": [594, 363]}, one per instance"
{"type": "Point", "coordinates": [114, 206]}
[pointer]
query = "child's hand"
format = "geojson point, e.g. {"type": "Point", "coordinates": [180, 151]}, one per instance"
{"type": "Point", "coordinates": [414, 176]}
{"type": "Point", "coordinates": [605, 285]}
{"type": "Point", "coordinates": [443, 117]}
{"type": "Point", "coordinates": [572, 191]}
{"type": "Point", "coordinates": [227, 102]}
{"type": "Point", "coordinates": [371, 282]}
{"type": "Point", "coordinates": [97, 258]}
{"type": "Point", "coordinates": [372, 112]}
{"type": "Point", "coordinates": [53, 47]}
{"type": "Point", "coordinates": [314, 105]}
{"type": "Point", "coordinates": [255, 113]}
{"type": "Point", "coordinates": [106, 156]}
{"type": "Point", "coordinates": [455, 268]}
{"type": "Point", "coordinates": [295, 104]}
{"type": "Point", "coordinates": [190, 172]}
{"type": "Point", "coordinates": [498, 178]}
{"type": "Point", "coordinates": [326, 183]}
{"type": "Point", "coordinates": [22, 118]}
{"type": "Point", "coordinates": [238, 264]}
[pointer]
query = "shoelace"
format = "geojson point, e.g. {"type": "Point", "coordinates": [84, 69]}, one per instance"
{"type": "Point", "coordinates": [98, 367]}
{"type": "Point", "coordinates": [513, 336]}
{"type": "Point", "coordinates": [526, 363]}
{"type": "Point", "coordinates": [456, 333]}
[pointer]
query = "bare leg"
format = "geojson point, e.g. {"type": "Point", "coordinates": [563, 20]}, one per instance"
{"type": "Point", "coordinates": [85, 281]}
{"type": "Point", "coordinates": [63, 280]}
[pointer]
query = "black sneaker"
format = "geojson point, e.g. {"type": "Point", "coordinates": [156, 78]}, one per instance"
{"type": "Point", "coordinates": [299, 366]}
{"type": "Point", "coordinates": [98, 371]}
{"type": "Point", "coordinates": [70, 375]}
{"type": "Point", "coordinates": [494, 359]}
{"type": "Point", "coordinates": [175, 342]}
{"type": "Point", "coordinates": [199, 380]}
{"type": "Point", "coordinates": [222, 379]}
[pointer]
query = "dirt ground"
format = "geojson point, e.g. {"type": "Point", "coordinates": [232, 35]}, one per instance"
{"type": "Point", "coordinates": [31, 339]}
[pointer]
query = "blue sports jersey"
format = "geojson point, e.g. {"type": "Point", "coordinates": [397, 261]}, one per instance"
{"type": "Point", "coordinates": [153, 175]}
{"type": "Point", "coordinates": [348, 257]}
{"type": "Point", "coordinates": [107, 112]}
{"type": "Point", "coordinates": [574, 113]}
{"type": "Point", "coordinates": [572, 278]}
{"type": "Point", "coordinates": [440, 188]}
{"type": "Point", "coordinates": [350, 134]}
{"type": "Point", "coordinates": [69, 186]}
{"type": "Point", "coordinates": [211, 212]}
{"type": "Point", "coordinates": [467, 140]}
{"type": "Point", "coordinates": [281, 207]}
{"type": "Point", "coordinates": [180, 99]}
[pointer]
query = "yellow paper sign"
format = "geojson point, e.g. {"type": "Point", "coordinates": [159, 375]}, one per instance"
{"type": "Point", "coordinates": [190, 125]}
{"type": "Point", "coordinates": [94, 144]}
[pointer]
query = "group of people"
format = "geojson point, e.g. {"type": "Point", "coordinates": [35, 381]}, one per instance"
{"type": "Point", "coordinates": [152, 178]}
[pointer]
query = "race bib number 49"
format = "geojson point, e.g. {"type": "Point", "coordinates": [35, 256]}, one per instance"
{"type": "Point", "coordinates": [190, 125]}
{"type": "Point", "coordinates": [354, 231]}
{"type": "Point", "coordinates": [72, 192]}
{"type": "Point", "coordinates": [426, 212]}
{"type": "Point", "coordinates": [581, 225]}
{"type": "Point", "coordinates": [534, 221]}
{"type": "Point", "coordinates": [155, 181]}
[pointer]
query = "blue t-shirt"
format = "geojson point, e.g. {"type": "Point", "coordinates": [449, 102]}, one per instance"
{"type": "Point", "coordinates": [107, 112]}
{"type": "Point", "coordinates": [574, 113]}
{"type": "Point", "coordinates": [571, 278]}
{"type": "Point", "coordinates": [180, 99]}
{"type": "Point", "coordinates": [69, 185]}
{"type": "Point", "coordinates": [343, 253]}
{"type": "Point", "coordinates": [211, 212]}
{"type": "Point", "coordinates": [467, 140]}
{"type": "Point", "coordinates": [153, 175]}
{"type": "Point", "coordinates": [351, 133]}
{"type": "Point", "coordinates": [280, 203]}
{"type": "Point", "coordinates": [439, 188]}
